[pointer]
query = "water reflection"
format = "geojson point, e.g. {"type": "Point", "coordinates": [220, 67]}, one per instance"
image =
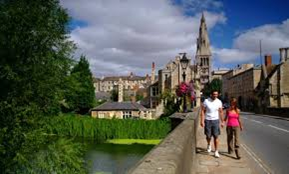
{"type": "Point", "coordinates": [108, 158]}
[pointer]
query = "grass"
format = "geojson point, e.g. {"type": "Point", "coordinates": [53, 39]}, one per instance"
{"type": "Point", "coordinates": [135, 141]}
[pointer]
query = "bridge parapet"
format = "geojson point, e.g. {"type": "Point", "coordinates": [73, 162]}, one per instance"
{"type": "Point", "coordinates": [176, 153]}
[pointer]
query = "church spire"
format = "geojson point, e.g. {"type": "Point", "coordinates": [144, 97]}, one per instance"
{"type": "Point", "coordinates": [203, 54]}
{"type": "Point", "coordinates": [203, 17]}
{"type": "Point", "coordinates": [203, 42]}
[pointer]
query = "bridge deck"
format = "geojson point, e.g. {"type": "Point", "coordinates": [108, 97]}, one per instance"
{"type": "Point", "coordinates": [208, 164]}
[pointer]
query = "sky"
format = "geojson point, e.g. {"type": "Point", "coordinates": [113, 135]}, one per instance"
{"type": "Point", "coordinates": [123, 36]}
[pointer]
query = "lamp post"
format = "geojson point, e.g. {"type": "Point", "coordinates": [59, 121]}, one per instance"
{"type": "Point", "coordinates": [184, 63]}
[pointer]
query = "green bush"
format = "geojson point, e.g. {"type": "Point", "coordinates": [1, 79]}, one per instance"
{"type": "Point", "coordinates": [61, 156]}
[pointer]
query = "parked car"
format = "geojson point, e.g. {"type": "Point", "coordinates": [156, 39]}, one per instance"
{"type": "Point", "coordinates": [226, 105]}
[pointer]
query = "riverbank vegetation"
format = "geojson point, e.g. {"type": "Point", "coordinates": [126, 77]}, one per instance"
{"type": "Point", "coordinates": [36, 70]}
{"type": "Point", "coordinates": [104, 129]}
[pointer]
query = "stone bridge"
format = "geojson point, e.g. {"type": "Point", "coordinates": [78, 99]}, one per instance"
{"type": "Point", "coordinates": [177, 152]}
{"type": "Point", "coordinates": [183, 151]}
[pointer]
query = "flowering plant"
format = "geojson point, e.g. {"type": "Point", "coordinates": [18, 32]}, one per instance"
{"type": "Point", "coordinates": [184, 89]}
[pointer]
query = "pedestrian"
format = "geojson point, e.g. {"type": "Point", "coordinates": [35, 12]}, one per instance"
{"type": "Point", "coordinates": [211, 114]}
{"type": "Point", "coordinates": [234, 125]}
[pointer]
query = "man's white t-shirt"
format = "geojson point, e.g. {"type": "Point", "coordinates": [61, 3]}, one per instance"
{"type": "Point", "coordinates": [212, 108]}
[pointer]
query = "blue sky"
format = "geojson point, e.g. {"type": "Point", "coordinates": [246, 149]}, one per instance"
{"type": "Point", "coordinates": [120, 36]}
{"type": "Point", "coordinates": [245, 14]}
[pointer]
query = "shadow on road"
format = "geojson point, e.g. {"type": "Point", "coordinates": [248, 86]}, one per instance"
{"type": "Point", "coordinates": [227, 155]}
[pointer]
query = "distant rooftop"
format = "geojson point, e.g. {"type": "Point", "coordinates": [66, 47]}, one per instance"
{"type": "Point", "coordinates": [116, 78]}
{"type": "Point", "coordinates": [120, 106]}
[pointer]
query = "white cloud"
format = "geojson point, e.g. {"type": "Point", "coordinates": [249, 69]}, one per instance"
{"type": "Point", "coordinates": [246, 47]}
{"type": "Point", "coordinates": [234, 55]}
{"type": "Point", "coordinates": [127, 35]}
{"type": "Point", "coordinates": [273, 36]}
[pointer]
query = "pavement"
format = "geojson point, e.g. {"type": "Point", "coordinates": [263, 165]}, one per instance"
{"type": "Point", "coordinates": [208, 164]}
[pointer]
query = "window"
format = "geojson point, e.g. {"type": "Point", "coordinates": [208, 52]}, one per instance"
{"type": "Point", "coordinates": [100, 115]}
{"type": "Point", "coordinates": [155, 91]}
{"type": "Point", "coordinates": [126, 114]}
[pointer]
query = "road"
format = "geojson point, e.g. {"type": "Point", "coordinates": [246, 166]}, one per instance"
{"type": "Point", "coordinates": [267, 141]}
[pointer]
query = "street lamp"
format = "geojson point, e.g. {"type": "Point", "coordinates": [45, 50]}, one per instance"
{"type": "Point", "coordinates": [184, 64]}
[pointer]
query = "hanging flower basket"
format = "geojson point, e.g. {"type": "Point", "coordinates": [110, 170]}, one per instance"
{"type": "Point", "coordinates": [184, 89]}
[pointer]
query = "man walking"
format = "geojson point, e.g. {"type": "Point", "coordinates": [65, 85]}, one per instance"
{"type": "Point", "coordinates": [211, 114]}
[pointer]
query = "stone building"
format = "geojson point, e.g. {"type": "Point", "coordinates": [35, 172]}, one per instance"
{"type": "Point", "coordinates": [273, 89]}
{"type": "Point", "coordinates": [121, 110]}
{"type": "Point", "coordinates": [109, 83]}
{"type": "Point", "coordinates": [168, 78]}
{"type": "Point", "coordinates": [203, 54]}
{"type": "Point", "coordinates": [217, 74]}
{"type": "Point", "coordinates": [241, 83]}
{"type": "Point", "coordinates": [96, 84]}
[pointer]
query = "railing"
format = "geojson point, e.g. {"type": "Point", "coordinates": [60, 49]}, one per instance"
{"type": "Point", "coordinates": [176, 153]}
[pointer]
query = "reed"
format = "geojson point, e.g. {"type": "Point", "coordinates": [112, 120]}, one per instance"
{"type": "Point", "coordinates": [103, 129]}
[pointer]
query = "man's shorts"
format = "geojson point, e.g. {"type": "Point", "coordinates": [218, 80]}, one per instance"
{"type": "Point", "coordinates": [212, 128]}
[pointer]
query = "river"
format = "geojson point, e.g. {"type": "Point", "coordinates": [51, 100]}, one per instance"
{"type": "Point", "coordinates": [106, 158]}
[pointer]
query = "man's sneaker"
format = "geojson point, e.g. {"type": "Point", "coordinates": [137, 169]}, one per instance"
{"type": "Point", "coordinates": [217, 154]}
{"type": "Point", "coordinates": [209, 148]}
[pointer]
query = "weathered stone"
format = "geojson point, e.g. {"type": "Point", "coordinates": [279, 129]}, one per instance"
{"type": "Point", "coordinates": [175, 155]}
{"type": "Point", "coordinates": [202, 169]}
{"type": "Point", "coordinates": [209, 163]}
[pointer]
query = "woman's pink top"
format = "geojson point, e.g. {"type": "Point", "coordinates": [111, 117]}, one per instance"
{"type": "Point", "coordinates": [232, 119]}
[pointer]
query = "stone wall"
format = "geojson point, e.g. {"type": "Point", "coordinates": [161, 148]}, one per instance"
{"type": "Point", "coordinates": [285, 84]}
{"type": "Point", "coordinates": [176, 153]}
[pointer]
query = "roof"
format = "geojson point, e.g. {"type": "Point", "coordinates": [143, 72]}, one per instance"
{"type": "Point", "coordinates": [220, 72]}
{"type": "Point", "coordinates": [156, 83]}
{"type": "Point", "coordinates": [95, 79]}
{"type": "Point", "coordinates": [102, 95]}
{"type": "Point", "coordinates": [246, 71]}
{"type": "Point", "coordinates": [116, 78]}
{"type": "Point", "coordinates": [120, 106]}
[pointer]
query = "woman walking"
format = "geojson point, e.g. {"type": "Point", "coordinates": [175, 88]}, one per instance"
{"type": "Point", "coordinates": [234, 125]}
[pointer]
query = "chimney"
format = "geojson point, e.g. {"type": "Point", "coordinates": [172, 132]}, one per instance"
{"type": "Point", "coordinates": [153, 73]}
{"type": "Point", "coordinates": [120, 91]}
{"type": "Point", "coordinates": [268, 60]}
{"type": "Point", "coordinates": [282, 54]}
{"type": "Point", "coordinates": [287, 53]}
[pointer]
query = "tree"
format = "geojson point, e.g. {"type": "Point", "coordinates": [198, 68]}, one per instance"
{"type": "Point", "coordinates": [34, 60]}
{"type": "Point", "coordinates": [215, 84]}
{"type": "Point", "coordinates": [80, 94]}
{"type": "Point", "coordinates": [171, 104]}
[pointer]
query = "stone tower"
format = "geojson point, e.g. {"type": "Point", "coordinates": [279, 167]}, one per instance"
{"type": "Point", "coordinates": [203, 54]}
